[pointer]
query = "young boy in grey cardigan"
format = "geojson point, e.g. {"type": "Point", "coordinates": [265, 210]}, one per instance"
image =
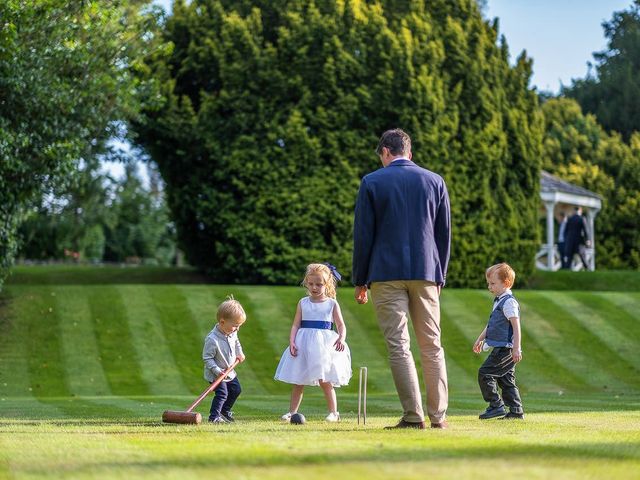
{"type": "Point", "coordinates": [221, 348]}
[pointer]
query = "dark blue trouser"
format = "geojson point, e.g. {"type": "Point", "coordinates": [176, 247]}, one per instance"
{"type": "Point", "coordinates": [499, 370]}
{"type": "Point", "coordinates": [226, 395]}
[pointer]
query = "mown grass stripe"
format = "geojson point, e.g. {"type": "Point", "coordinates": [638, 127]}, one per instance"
{"type": "Point", "coordinates": [47, 367]}
{"type": "Point", "coordinates": [470, 310]}
{"type": "Point", "coordinates": [14, 371]}
{"type": "Point", "coordinates": [456, 347]}
{"type": "Point", "coordinates": [621, 310]}
{"type": "Point", "coordinates": [366, 319]}
{"type": "Point", "coordinates": [278, 307]}
{"type": "Point", "coordinates": [181, 332]}
{"type": "Point", "coordinates": [44, 350]}
{"type": "Point", "coordinates": [609, 359]}
{"type": "Point", "coordinates": [80, 351]}
{"type": "Point", "coordinates": [261, 355]}
{"type": "Point", "coordinates": [557, 333]}
{"type": "Point", "coordinates": [113, 336]}
{"type": "Point", "coordinates": [202, 302]}
{"type": "Point", "coordinates": [14, 366]}
{"type": "Point", "coordinates": [157, 365]}
{"type": "Point", "coordinates": [594, 313]}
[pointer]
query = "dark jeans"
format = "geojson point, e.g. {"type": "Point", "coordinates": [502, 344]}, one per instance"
{"type": "Point", "coordinates": [499, 370]}
{"type": "Point", "coordinates": [226, 395]}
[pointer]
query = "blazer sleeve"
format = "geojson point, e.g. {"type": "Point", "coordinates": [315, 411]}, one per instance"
{"type": "Point", "coordinates": [364, 225]}
{"type": "Point", "coordinates": [442, 232]}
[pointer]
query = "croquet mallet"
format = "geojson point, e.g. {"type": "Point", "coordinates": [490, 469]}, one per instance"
{"type": "Point", "coordinates": [174, 416]}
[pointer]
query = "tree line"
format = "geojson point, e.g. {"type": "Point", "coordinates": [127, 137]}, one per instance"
{"type": "Point", "coordinates": [262, 117]}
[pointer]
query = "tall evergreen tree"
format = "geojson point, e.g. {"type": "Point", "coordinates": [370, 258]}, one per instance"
{"type": "Point", "coordinates": [267, 114]}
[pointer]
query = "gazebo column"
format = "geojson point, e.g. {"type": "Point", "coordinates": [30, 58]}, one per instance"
{"type": "Point", "coordinates": [591, 217]}
{"type": "Point", "coordinates": [550, 206]}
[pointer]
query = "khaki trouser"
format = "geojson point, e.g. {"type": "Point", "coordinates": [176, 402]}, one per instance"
{"type": "Point", "coordinates": [418, 299]}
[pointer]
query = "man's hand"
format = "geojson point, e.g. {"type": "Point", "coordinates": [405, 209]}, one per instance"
{"type": "Point", "coordinates": [361, 294]}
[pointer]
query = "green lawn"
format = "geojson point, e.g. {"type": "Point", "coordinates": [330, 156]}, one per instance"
{"type": "Point", "coordinates": [88, 362]}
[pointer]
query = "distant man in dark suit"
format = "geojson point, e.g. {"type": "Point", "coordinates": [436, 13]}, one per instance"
{"type": "Point", "coordinates": [401, 249]}
{"type": "Point", "coordinates": [575, 235]}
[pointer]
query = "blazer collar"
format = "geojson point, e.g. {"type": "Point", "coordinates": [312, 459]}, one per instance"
{"type": "Point", "coordinates": [401, 162]}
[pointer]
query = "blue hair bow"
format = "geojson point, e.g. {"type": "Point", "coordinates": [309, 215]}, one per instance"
{"type": "Point", "coordinates": [334, 271]}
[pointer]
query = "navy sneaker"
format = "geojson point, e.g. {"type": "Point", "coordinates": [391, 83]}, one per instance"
{"type": "Point", "coordinates": [493, 412]}
{"type": "Point", "coordinates": [513, 416]}
{"type": "Point", "coordinates": [228, 416]}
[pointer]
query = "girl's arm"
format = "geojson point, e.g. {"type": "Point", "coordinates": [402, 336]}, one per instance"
{"type": "Point", "coordinates": [516, 352]}
{"type": "Point", "coordinates": [342, 328]}
{"type": "Point", "coordinates": [477, 347]}
{"type": "Point", "coordinates": [294, 330]}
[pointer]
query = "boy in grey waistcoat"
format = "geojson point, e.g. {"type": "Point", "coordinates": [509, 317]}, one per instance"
{"type": "Point", "coordinates": [502, 334]}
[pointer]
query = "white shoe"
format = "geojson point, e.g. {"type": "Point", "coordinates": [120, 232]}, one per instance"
{"type": "Point", "coordinates": [286, 417]}
{"type": "Point", "coordinates": [333, 417]}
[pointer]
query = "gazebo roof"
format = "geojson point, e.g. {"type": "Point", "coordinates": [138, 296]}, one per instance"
{"type": "Point", "coordinates": [555, 189]}
{"type": "Point", "coordinates": [551, 183]}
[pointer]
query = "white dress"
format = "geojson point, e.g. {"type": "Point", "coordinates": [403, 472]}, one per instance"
{"type": "Point", "coordinates": [317, 358]}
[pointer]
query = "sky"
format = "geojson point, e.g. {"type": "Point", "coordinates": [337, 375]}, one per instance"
{"type": "Point", "coordinates": [559, 35]}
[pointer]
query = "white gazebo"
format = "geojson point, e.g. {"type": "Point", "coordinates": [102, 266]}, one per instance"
{"type": "Point", "coordinates": [559, 196]}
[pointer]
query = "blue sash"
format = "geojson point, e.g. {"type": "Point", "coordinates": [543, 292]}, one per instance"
{"type": "Point", "coordinates": [316, 324]}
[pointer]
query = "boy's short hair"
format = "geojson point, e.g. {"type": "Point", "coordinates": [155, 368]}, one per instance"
{"type": "Point", "coordinates": [505, 273]}
{"type": "Point", "coordinates": [231, 309]}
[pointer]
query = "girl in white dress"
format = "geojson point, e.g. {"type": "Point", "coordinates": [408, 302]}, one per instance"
{"type": "Point", "coordinates": [317, 355]}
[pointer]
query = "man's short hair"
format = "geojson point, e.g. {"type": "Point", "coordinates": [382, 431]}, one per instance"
{"type": "Point", "coordinates": [504, 272]}
{"type": "Point", "coordinates": [397, 141]}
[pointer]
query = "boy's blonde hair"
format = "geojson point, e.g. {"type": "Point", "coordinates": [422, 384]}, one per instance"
{"type": "Point", "coordinates": [325, 272]}
{"type": "Point", "coordinates": [505, 273]}
{"type": "Point", "coordinates": [231, 309]}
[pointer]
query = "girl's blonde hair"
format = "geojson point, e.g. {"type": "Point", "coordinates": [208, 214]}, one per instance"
{"type": "Point", "coordinates": [505, 273]}
{"type": "Point", "coordinates": [324, 271]}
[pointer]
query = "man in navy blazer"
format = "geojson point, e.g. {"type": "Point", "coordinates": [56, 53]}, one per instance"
{"type": "Point", "coordinates": [402, 237]}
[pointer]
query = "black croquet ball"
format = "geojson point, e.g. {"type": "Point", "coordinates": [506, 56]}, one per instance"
{"type": "Point", "coordinates": [297, 419]}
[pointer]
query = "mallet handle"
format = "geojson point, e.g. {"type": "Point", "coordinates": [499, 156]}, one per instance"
{"type": "Point", "coordinates": [213, 386]}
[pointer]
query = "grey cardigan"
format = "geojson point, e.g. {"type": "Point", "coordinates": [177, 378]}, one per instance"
{"type": "Point", "coordinates": [219, 353]}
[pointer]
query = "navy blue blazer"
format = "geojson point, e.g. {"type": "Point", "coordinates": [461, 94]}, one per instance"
{"type": "Point", "coordinates": [402, 227]}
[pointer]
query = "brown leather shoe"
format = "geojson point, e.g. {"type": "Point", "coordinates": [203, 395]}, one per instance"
{"type": "Point", "coordinates": [405, 424]}
{"type": "Point", "coordinates": [443, 424]}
